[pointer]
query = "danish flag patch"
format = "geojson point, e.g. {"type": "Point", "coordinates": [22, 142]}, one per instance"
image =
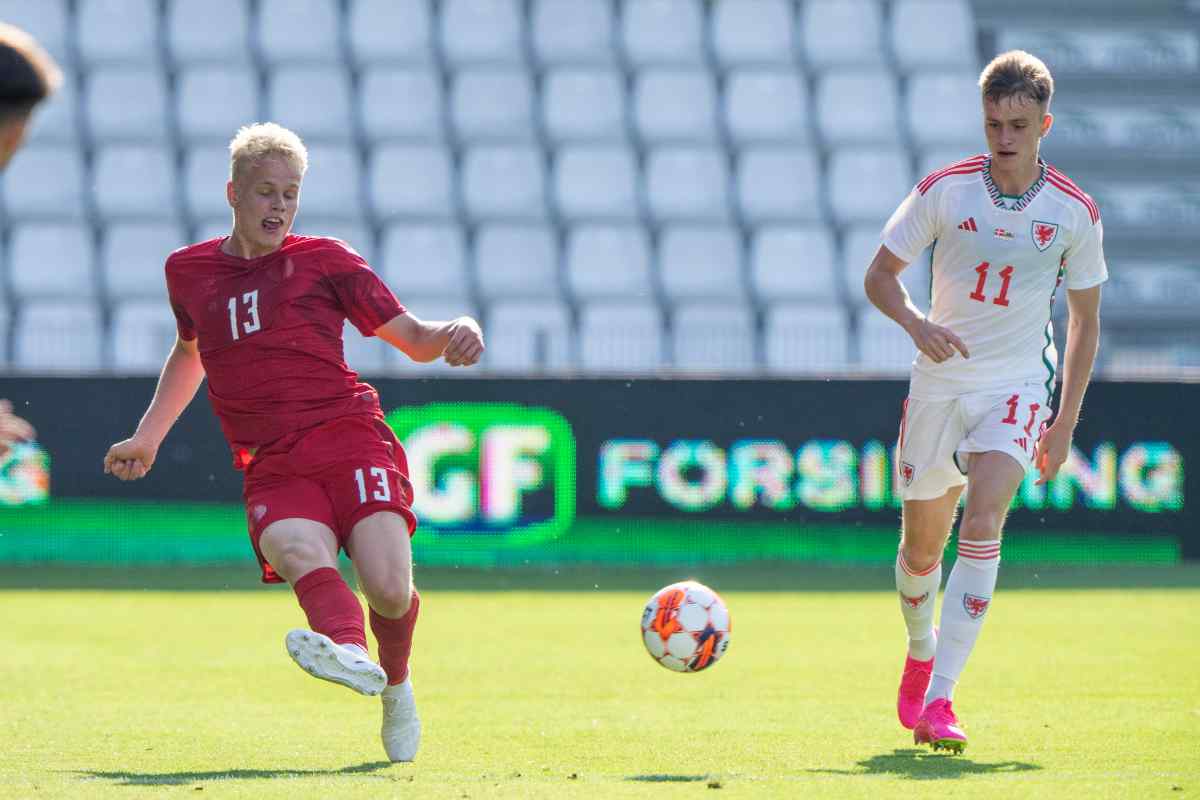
{"type": "Point", "coordinates": [1044, 234]}
{"type": "Point", "coordinates": [968, 224]}
{"type": "Point", "coordinates": [1000, 233]}
{"type": "Point", "coordinates": [975, 606]}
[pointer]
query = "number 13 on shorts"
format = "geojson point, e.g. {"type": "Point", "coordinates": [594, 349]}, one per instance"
{"type": "Point", "coordinates": [380, 490]}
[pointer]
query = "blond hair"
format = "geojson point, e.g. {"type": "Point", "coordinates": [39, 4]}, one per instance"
{"type": "Point", "coordinates": [1017, 73]}
{"type": "Point", "coordinates": [262, 139]}
{"type": "Point", "coordinates": [28, 75]}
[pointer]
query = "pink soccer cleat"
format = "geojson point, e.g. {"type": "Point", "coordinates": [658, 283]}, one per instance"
{"type": "Point", "coordinates": [910, 700]}
{"type": "Point", "coordinates": [939, 727]}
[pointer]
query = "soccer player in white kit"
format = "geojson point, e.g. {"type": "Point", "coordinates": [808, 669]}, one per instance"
{"type": "Point", "coordinates": [1007, 229]}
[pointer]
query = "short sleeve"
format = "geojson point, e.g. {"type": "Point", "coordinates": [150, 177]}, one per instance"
{"type": "Point", "coordinates": [913, 226]}
{"type": "Point", "coordinates": [184, 324]}
{"type": "Point", "coordinates": [365, 298]}
{"type": "Point", "coordinates": [1085, 259]}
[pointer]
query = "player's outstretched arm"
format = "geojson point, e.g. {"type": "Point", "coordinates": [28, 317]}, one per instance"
{"type": "Point", "coordinates": [459, 341]}
{"type": "Point", "coordinates": [181, 377]}
{"type": "Point", "coordinates": [886, 291]}
{"type": "Point", "coordinates": [1083, 340]}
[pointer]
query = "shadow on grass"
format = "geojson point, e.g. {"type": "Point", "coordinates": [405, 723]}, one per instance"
{"type": "Point", "coordinates": [667, 778]}
{"type": "Point", "coordinates": [923, 765]}
{"type": "Point", "coordinates": [125, 778]}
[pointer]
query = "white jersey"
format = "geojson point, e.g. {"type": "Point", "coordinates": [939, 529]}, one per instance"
{"type": "Point", "coordinates": [996, 267]}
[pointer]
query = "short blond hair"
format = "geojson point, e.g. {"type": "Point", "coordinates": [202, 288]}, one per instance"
{"type": "Point", "coordinates": [1017, 73]}
{"type": "Point", "coordinates": [262, 139]}
{"type": "Point", "coordinates": [28, 75]}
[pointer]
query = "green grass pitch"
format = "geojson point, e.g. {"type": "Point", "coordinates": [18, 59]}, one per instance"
{"type": "Point", "coordinates": [546, 692]}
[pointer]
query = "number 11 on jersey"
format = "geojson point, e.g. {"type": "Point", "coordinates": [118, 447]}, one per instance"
{"type": "Point", "coordinates": [1005, 280]}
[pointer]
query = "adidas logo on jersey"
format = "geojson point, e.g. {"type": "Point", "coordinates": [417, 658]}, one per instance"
{"type": "Point", "coordinates": [968, 224]}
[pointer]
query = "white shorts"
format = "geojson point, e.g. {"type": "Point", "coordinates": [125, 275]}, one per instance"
{"type": "Point", "coordinates": [937, 435]}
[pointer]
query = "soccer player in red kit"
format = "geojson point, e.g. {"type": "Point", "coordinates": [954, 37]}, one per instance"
{"type": "Point", "coordinates": [260, 313]}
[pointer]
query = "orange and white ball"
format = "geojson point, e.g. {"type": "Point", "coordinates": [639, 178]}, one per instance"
{"type": "Point", "coordinates": [686, 626]}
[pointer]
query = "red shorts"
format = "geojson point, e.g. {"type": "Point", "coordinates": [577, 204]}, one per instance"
{"type": "Point", "coordinates": [336, 474]}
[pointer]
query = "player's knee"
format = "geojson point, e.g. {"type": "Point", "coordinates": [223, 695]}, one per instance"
{"type": "Point", "coordinates": [392, 600]}
{"type": "Point", "coordinates": [920, 556]}
{"type": "Point", "coordinates": [980, 525]}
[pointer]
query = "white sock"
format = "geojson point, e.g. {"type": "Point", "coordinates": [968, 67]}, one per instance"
{"type": "Point", "coordinates": [964, 605]}
{"type": "Point", "coordinates": [918, 591]}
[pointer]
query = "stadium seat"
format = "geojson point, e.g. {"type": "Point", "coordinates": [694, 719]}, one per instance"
{"type": "Point", "coordinates": [753, 32]}
{"type": "Point", "coordinates": [482, 31]}
{"type": "Point", "coordinates": [701, 263]}
{"type": "Point", "coordinates": [141, 336]}
{"type": "Point", "coordinates": [347, 229]}
{"type": "Point", "coordinates": [314, 101]}
{"type": "Point", "coordinates": [663, 32]}
{"type": "Point", "coordinates": [411, 181]}
{"type": "Point", "coordinates": [794, 264]}
{"type": "Point", "coordinates": [333, 184]}
{"type": "Point", "coordinates": [933, 33]}
{"type": "Point", "coordinates": [609, 261]}
{"type": "Point", "coordinates": [527, 337]}
{"type": "Point", "coordinates": [838, 33]}
{"type": "Point", "coordinates": [51, 260]}
{"type": "Point", "coordinates": [48, 21]}
{"type": "Point", "coordinates": [596, 183]}
{"type": "Point", "coordinates": [117, 31]}
{"type": "Point", "coordinates": [943, 110]}
{"type": "Point", "coordinates": [111, 113]}
{"type": "Point", "coordinates": [689, 183]}
{"type": "Point", "coordinates": [135, 182]}
{"type": "Point", "coordinates": [766, 106]}
{"type": "Point", "coordinates": [859, 248]}
{"type": "Point", "coordinates": [425, 260]}
{"type": "Point", "coordinates": [858, 107]}
{"type": "Point", "coordinates": [804, 338]}
{"type": "Point", "coordinates": [212, 228]}
{"type": "Point", "coordinates": [779, 185]}
{"type": "Point", "coordinates": [866, 184]}
{"type": "Point", "coordinates": [132, 258]}
{"type": "Point", "coordinates": [572, 33]}
{"type": "Point", "coordinates": [883, 347]}
{"type": "Point", "coordinates": [713, 337]}
{"type": "Point", "coordinates": [366, 355]}
{"type": "Point", "coordinates": [584, 105]}
{"type": "Point", "coordinates": [516, 261]}
{"type": "Point", "coordinates": [205, 173]}
{"type": "Point", "coordinates": [620, 337]}
{"type": "Point", "coordinates": [58, 336]}
{"type": "Point", "coordinates": [675, 105]}
{"type": "Point", "coordinates": [45, 182]}
{"type": "Point", "coordinates": [214, 101]}
{"type": "Point", "coordinates": [5, 326]}
{"type": "Point", "coordinates": [418, 118]}
{"type": "Point", "coordinates": [56, 120]}
{"type": "Point", "coordinates": [504, 183]}
{"type": "Point", "coordinates": [391, 31]}
{"type": "Point", "coordinates": [293, 31]}
{"type": "Point", "coordinates": [492, 104]}
{"type": "Point", "coordinates": [212, 32]}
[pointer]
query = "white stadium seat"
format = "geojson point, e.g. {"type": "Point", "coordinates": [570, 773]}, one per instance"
{"type": "Point", "coordinates": [859, 107]}
{"type": "Point", "coordinates": [56, 120]}
{"type": "Point", "coordinates": [47, 21]}
{"type": "Point", "coordinates": [141, 336]}
{"type": "Point", "coordinates": [528, 337]}
{"type": "Point", "coordinates": [5, 324]}
{"type": "Point", "coordinates": [492, 104]}
{"type": "Point", "coordinates": [934, 33]}
{"type": "Point", "coordinates": [609, 261]}
{"type": "Point", "coordinates": [314, 101]}
{"type": "Point", "coordinates": [482, 31]}
{"type": "Point", "coordinates": [516, 261]}
{"type": "Point", "coordinates": [214, 31]}
{"type": "Point", "coordinates": [391, 31]}
{"type": "Point", "coordinates": [410, 181]}
{"type": "Point", "coordinates": [663, 31]}
{"type": "Point", "coordinates": [838, 33]}
{"type": "Point", "coordinates": [883, 346]}
{"type": "Point", "coordinates": [45, 182]}
{"type": "Point", "coordinates": [713, 338]}
{"type": "Point", "coordinates": [133, 255]}
{"type": "Point", "coordinates": [675, 105]}
{"type": "Point", "coordinates": [793, 264]}
{"type": "Point", "coordinates": [779, 185]}
{"type": "Point", "coordinates": [504, 183]}
{"type": "Point", "coordinates": [51, 260]}
{"type": "Point", "coordinates": [58, 336]}
{"type": "Point", "coordinates": [572, 32]}
{"type": "Point", "coordinates": [425, 260]}
{"type": "Point", "coordinates": [701, 263]}
{"type": "Point", "coordinates": [687, 183]}
{"type": "Point", "coordinates": [866, 184]}
{"type": "Point", "coordinates": [596, 183]}
{"type": "Point", "coordinates": [112, 31]}
{"type": "Point", "coordinates": [333, 183]}
{"type": "Point", "coordinates": [621, 337]}
{"type": "Point", "coordinates": [299, 31]}
{"type": "Point", "coordinates": [753, 32]}
{"type": "Point", "coordinates": [135, 182]}
{"type": "Point", "coordinates": [205, 173]}
{"type": "Point", "coordinates": [112, 113]}
{"type": "Point", "coordinates": [766, 106]}
{"type": "Point", "coordinates": [366, 355]}
{"type": "Point", "coordinates": [215, 100]}
{"type": "Point", "coordinates": [805, 338]}
{"type": "Point", "coordinates": [418, 118]}
{"type": "Point", "coordinates": [584, 104]}
{"type": "Point", "coordinates": [943, 110]}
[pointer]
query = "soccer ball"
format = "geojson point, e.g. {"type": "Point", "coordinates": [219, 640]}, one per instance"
{"type": "Point", "coordinates": [685, 627]}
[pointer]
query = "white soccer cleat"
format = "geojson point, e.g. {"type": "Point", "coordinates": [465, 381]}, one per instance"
{"type": "Point", "coordinates": [401, 731]}
{"type": "Point", "coordinates": [323, 658]}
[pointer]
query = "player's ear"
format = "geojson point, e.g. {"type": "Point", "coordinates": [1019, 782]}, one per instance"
{"type": "Point", "coordinates": [1047, 123]}
{"type": "Point", "coordinates": [230, 194]}
{"type": "Point", "coordinates": [12, 133]}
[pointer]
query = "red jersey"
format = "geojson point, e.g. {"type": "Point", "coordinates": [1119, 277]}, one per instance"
{"type": "Point", "coordinates": [270, 333]}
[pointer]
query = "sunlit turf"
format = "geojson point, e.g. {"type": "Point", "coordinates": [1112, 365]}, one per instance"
{"type": "Point", "coordinates": [128, 692]}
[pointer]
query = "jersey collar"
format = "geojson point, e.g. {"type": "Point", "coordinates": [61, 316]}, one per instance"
{"type": "Point", "coordinates": [1024, 200]}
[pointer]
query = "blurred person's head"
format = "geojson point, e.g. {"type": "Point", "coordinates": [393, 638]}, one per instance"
{"type": "Point", "coordinates": [1016, 89]}
{"type": "Point", "coordinates": [28, 75]}
{"type": "Point", "coordinates": [267, 163]}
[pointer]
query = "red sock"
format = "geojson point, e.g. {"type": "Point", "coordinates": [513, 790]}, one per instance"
{"type": "Point", "coordinates": [331, 608]}
{"type": "Point", "coordinates": [395, 640]}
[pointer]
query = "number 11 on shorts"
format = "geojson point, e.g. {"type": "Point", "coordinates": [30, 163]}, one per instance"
{"type": "Point", "coordinates": [381, 492]}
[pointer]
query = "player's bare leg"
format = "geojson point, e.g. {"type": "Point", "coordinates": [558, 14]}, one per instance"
{"type": "Point", "coordinates": [926, 526]}
{"type": "Point", "coordinates": [304, 552]}
{"type": "Point", "coordinates": [993, 479]}
{"type": "Point", "coordinates": [382, 554]}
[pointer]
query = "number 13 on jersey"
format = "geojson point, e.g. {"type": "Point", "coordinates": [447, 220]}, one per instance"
{"type": "Point", "coordinates": [250, 325]}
